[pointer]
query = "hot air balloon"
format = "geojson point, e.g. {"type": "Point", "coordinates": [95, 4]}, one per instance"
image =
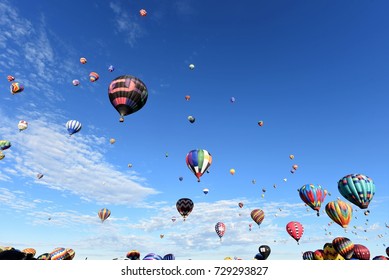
{"type": "Point", "coordinates": [318, 255]}
{"type": "Point", "coordinates": [232, 171]}
{"type": "Point", "coordinates": [383, 258]}
{"type": "Point", "coordinates": [112, 141]}
{"type": "Point", "coordinates": [361, 252]}
{"type": "Point", "coordinates": [174, 219]}
{"type": "Point", "coordinates": [240, 204]}
{"type": "Point", "coordinates": [184, 207]}
{"type": "Point", "coordinates": [191, 119]}
{"type": "Point", "coordinates": [292, 157]}
{"type": "Point", "coordinates": [161, 236]}
{"type": "Point", "coordinates": [22, 125]}
{"type": "Point", "coordinates": [133, 255]}
{"type": "Point", "coordinates": [93, 76]}
{"type": "Point", "coordinates": [127, 94]}
{"type": "Point", "coordinates": [111, 68]}
{"type": "Point", "coordinates": [220, 229]}
{"type": "Point", "coordinates": [387, 251]}
{"type": "Point", "coordinates": [1, 155]}
{"type": "Point", "coordinates": [83, 60]}
{"type": "Point", "coordinates": [260, 123]}
{"type": "Point", "coordinates": [30, 251]}
{"type": "Point", "coordinates": [16, 88]}
{"type": "Point", "coordinates": [129, 165]}
{"type": "Point", "coordinates": [104, 214]}
{"type": "Point", "coordinates": [250, 227]}
{"type": "Point", "coordinates": [4, 145]}
{"type": "Point", "coordinates": [265, 251]}
{"type": "Point", "coordinates": [70, 254]}
{"type": "Point", "coordinates": [308, 255]}
{"type": "Point", "coordinates": [340, 212]}
{"type": "Point", "coordinates": [257, 215]}
{"type": "Point", "coordinates": [73, 126]}
{"type": "Point", "coordinates": [295, 166]}
{"type": "Point", "coordinates": [259, 257]}
{"type": "Point", "coordinates": [205, 191]}
{"type": "Point", "coordinates": [10, 78]}
{"type": "Point", "coordinates": [143, 12]}
{"type": "Point", "coordinates": [198, 161]}
{"type": "Point", "coordinates": [358, 189]}
{"type": "Point", "coordinates": [39, 175]}
{"type": "Point", "coordinates": [295, 229]}
{"type": "Point", "coordinates": [180, 178]}
{"type": "Point", "coordinates": [313, 196]}
{"type": "Point", "coordinates": [330, 253]}
{"type": "Point", "coordinates": [169, 257]}
{"type": "Point", "coordinates": [344, 247]}
{"type": "Point", "coordinates": [191, 66]}
{"type": "Point", "coordinates": [187, 97]}
{"type": "Point", "coordinates": [58, 254]}
{"type": "Point", "coordinates": [232, 99]}
{"type": "Point", "coordinates": [75, 82]}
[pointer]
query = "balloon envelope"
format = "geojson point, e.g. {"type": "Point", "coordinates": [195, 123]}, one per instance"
{"type": "Point", "coordinates": [295, 229]}
{"type": "Point", "coordinates": [103, 214]}
{"type": "Point", "coordinates": [340, 212]}
{"type": "Point", "coordinates": [358, 189]}
{"type": "Point", "coordinates": [184, 207]}
{"type": "Point", "coordinates": [198, 161]}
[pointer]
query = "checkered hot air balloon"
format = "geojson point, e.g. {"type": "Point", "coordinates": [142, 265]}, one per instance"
{"type": "Point", "coordinates": [184, 207]}
{"type": "Point", "coordinates": [220, 229]}
{"type": "Point", "coordinates": [127, 94]}
{"type": "Point", "coordinates": [295, 229]}
{"type": "Point", "coordinates": [104, 214]}
{"type": "Point", "coordinates": [73, 126]}
{"type": "Point", "coordinates": [198, 161]}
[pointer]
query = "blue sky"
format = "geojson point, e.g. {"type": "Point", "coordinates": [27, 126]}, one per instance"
{"type": "Point", "coordinates": [315, 72]}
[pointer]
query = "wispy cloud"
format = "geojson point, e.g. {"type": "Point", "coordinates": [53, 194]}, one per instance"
{"type": "Point", "coordinates": [73, 165]}
{"type": "Point", "coordinates": [126, 24]}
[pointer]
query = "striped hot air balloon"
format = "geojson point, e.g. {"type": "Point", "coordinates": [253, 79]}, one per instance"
{"type": "Point", "coordinates": [198, 161]}
{"type": "Point", "coordinates": [358, 189]}
{"type": "Point", "coordinates": [340, 212]}
{"type": "Point", "coordinates": [93, 76]}
{"type": "Point", "coordinates": [73, 126]}
{"type": "Point", "coordinates": [133, 255]}
{"type": "Point", "coordinates": [344, 246]}
{"type": "Point", "coordinates": [104, 214]}
{"type": "Point", "coordinates": [258, 215]}
{"type": "Point", "coordinates": [127, 95]}
{"type": "Point", "coordinates": [220, 229]}
{"type": "Point", "coordinates": [313, 196]}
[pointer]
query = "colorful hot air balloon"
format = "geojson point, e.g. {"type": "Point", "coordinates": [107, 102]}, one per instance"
{"type": "Point", "coordinates": [22, 125]}
{"type": "Point", "coordinates": [295, 229]}
{"type": "Point", "coordinates": [318, 255]}
{"type": "Point", "coordinates": [73, 126]}
{"type": "Point", "coordinates": [75, 82]}
{"type": "Point", "coordinates": [313, 196]}
{"type": "Point", "coordinates": [361, 252]}
{"type": "Point", "coordinates": [205, 191]}
{"type": "Point", "coordinates": [83, 60]}
{"type": "Point", "coordinates": [308, 255]}
{"type": "Point", "coordinates": [4, 145]}
{"type": "Point", "coordinates": [340, 212]}
{"type": "Point", "coordinates": [240, 204]}
{"type": "Point", "coordinates": [387, 251]}
{"type": "Point", "coordinates": [258, 215]}
{"type": "Point", "coordinates": [358, 189]}
{"type": "Point", "coordinates": [30, 251]}
{"type": "Point", "coordinates": [265, 251]}
{"type": "Point", "coordinates": [330, 253]}
{"type": "Point", "coordinates": [1, 155]}
{"type": "Point", "coordinates": [111, 68]}
{"type": "Point", "coordinates": [220, 229]}
{"type": "Point", "coordinates": [103, 214]}
{"type": "Point", "coordinates": [184, 207]}
{"type": "Point", "coordinates": [260, 123]}
{"type": "Point", "coordinates": [383, 258]}
{"type": "Point", "coordinates": [187, 97]}
{"type": "Point", "coordinates": [232, 171]}
{"type": "Point", "coordinates": [127, 94]}
{"type": "Point", "coordinates": [112, 141]}
{"type": "Point", "coordinates": [169, 257]}
{"type": "Point", "coordinates": [10, 78]}
{"type": "Point", "coordinates": [344, 247]}
{"type": "Point", "coordinates": [143, 12]}
{"type": "Point", "coordinates": [70, 254]}
{"type": "Point", "coordinates": [16, 88]}
{"type": "Point", "coordinates": [93, 76]}
{"type": "Point", "coordinates": [198, 161]}
{"type": "Point", "coordinates": [191, 66]}
{"type": "Point", "coordinates": [191, 119]}
{"type": "Point", "coordinates": [174, 219]}
{"type": "Point", "coordinates": [133, 255]}
{"type": "Point", "coordinates": [58, 254]}
{"type": "Point", "coordinates": [292, 157]}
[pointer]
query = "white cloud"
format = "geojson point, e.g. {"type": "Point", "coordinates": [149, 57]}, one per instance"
{"type": "Point", "coordinates": [126, 24]}
{"type": "Point", "coordinates": [73, 165]}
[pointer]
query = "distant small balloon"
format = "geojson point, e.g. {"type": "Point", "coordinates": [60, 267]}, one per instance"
{"type": "Point", "coordinates": [112, 140]}
{"type": "Point", "coordinates": [16, 88]}
{"type": "Point", "coordinates": [291, 156]}
{"type": "Point", "coordinates": [191, 119]}
{"type": "Point", "coordinates": [205, 191]}
{"type": "Point", "coordinates": [10, 78]}
{"type": "Point", "coordinates": [93, 77]}
{"type": "Point", "coordinates": [187, 97]}
{"type": "Point", "coordinates": [129, 165]}
{"type": "Point", "coordinates": [83, 60]}
{"type": "Point", "coordinates": [260, 123]}
{"type": "Point", "coordinates": [39, 176]}
{"type": "Point", "coordinates": [191, 66]}
{"type": "Point", "coordinates": [181, 178]}
{"type": "Point", "coordinates": [232, 99]}
{"type": "Point", "coordinates": [111, 68]}
{"type": "Point", "coordinates": [143, 12]}
{"type": "Point", "coordinates": [232, 171]}
{"type": "Point", "coordinates": [75, 82]}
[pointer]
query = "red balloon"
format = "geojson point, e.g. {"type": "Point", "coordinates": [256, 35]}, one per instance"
{"type": "Point", "coordinates": [295, 229]}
